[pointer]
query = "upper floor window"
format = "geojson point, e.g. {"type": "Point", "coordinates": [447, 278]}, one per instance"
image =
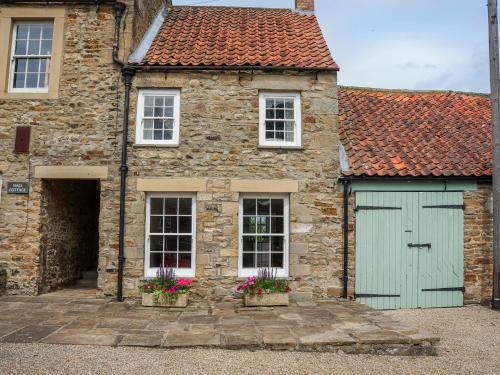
{"type": "Point", "coordinates": [158, 114]}
{"type": "Point", "coordinates": [280, 120]}
{"type": "Point", "coordinates": [31, 56]}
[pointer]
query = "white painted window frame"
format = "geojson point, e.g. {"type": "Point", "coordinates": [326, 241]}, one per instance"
{"type": "Point", "coordinates": [140, 114]}
{"type": "Point", "coordinates": [181, 272]}
{"type": "Point", "coordinates": [281, 272]}
{"type": "Point", "coordinates": [13, 58]}
{"type": "Point", "coordinates": [297, 109]}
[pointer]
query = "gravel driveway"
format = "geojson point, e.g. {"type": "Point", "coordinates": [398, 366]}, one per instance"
{"type": "Point", "coordinates": [470, 344]}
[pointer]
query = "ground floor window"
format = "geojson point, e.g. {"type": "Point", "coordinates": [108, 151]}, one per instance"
{"type": "Point", "coordinates": [170, 233]}
{"type": "Point", "coordinates": [263, 232]}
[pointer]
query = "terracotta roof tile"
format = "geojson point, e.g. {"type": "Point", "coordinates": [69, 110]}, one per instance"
{"type": "Point", "coordinates": [403, 133]}
{"type": "Point", "coordinates": [228, 36]}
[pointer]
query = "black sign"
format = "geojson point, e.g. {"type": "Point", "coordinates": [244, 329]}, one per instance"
{"type": "Point", "coordinates": [18, 187]}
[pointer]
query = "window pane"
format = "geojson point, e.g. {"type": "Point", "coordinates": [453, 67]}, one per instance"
{"type": "Point", "coordinates": [289, 103]}
{"type": "Point", "coordinates": [289, 114]}
{"type": "Point", "coordinates": [155, 260]}
{"type": "Point", "coordinates": [277, 244]}
{"type": "Point", "coordinates": [47, 32]}
{"type": "Point", "coordinates": [35, 32]}
{"type": "Point", "coordinates": [263, 244]}
{"type": "Point", "coordinates": [168, 124]}
{"type": "Point", "coordinates": [280, 103]}
{"type": "Point", "coordinates": [156, 243]}
{"type": "Point", "coordinates": [170, 224]}
{"type": "Point", "coordinates": [185, 243]}
{"type": "Point", "coordinates": [159, 101]}
{"type": "Point", "coordinates": [43, 80]}
{"type": "Point", "coordinates": [280, 114]}
{"type": "Point", "coordinates": [21, 47]}
{"type": "Point", "coordinates": [46, 47]}
{"type": "Point", "coordinates": [170, 206]}
{"type": "Point", "coordinates": [33, 47]}
{"type": "Point", "coordinates": [277, 260]}
{"type": "Point", "coordinates": [277, 206]}
{"type": "Point", "coordinates": [167, 135]}
{"type": "Point", "coordinates": [169, 112]}
{"type": "Point", "coordinates": [279, 136]}
{"type": "Point", "coordinates": [20, 65]}
{"type": "Point", "coordinates": [157, 135]}
{"type": "Point", "coordinates": [185, 224]}
{"type": "Point", "coordinates": [277, 225]}
{"type": "Point", "coordinates": [249, 206]}
{"type": "Point", "coordinates": [280, 125]}
{"type": "Point", "coordinates": [158, 112]}
{"type": "Point", "coordinates": [270, 114]}
{"type": "Point", "coordinates": [156, 224]}
{"type": "Point", "coordinates": [170, 243]}
{"type": "Point", "coordinates": [263, 206]}
{"type": "Point", "coordinates": [22, 32]}
{"type": "Point", "coordinates": [170, 260]}
{"type": "Point", "coordinates": [249, 225]}
{"type": "Point", "coordinates": [248, 243]}
{"type": "Point", "coordinates": [158, 124]}
{"type": "Point", "coordinates": [148, 134]}
{"type": "Point", "coordinates": [148, 124]}
{"type": "Point", "coordinates": [44, 65]}
{"type": "Point", "coordinates": [169, 101]}
{"type": "Point", "coordinates": [269, 125]}
{"type": "Point", "coordinates": [184, 260]}
{"type": "Point", "coordinates": [185, 205]}
{"type": "Point", "coordinates": [269, 136]}
{"type": "Point", "coordinates": [31, 80]}
{"type": "Point", "coordinates": [149, 100]}
{"type": "Point", "coordinates": [289, 126]}
{"type": "Point", "coordinates": [19, 80]}
{"type": "Point", "coordinates": [269, 103]}
{"type": "Point", "coordinates": [263, 260]}
{"type": "Point", "coordinates": [33, 65]}
{"type": "Point", "coordinates": [148, 112]}
{"type": "Point", "coordinates": [249, 260]}
{"type": "Point", "coordinates": [263, 224]}
{"type": "Point", "coordinates": [156, 206]}
{"type": "Point", "coordinates": [289, 137]}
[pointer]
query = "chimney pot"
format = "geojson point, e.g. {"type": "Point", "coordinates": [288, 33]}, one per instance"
{"type": "Point", "coordinates": [304, 6]}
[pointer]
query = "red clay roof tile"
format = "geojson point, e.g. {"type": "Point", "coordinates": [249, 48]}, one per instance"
{"type": "Point", "coordinates": [229, 36]}
{"type": "Point", "coordinates": [403, 133]}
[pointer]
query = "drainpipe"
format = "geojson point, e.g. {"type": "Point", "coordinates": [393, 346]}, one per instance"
{"type": "Point", "coordinates": [127, 74]}
{"type": "Point", "coordinates": [345, 229]}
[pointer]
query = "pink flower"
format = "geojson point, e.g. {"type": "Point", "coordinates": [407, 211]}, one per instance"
{"type": "Point", "coordinates": [184, 282]}
{"type": "Point", "coordinates": [172, 290]}
{"type": "Point", "coordinates": [259, 291]}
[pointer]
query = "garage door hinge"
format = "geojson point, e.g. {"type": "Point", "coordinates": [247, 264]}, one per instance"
{"type": "Point", "coordinates": [359, 208]}
{"type": "Point", "coordinates": [457, 289]}
{"type": "Point", "coordinates": [364, 295]}
{"type": "Point", "coordinates": [451, 206]}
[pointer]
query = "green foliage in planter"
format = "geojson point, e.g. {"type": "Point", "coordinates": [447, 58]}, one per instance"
{"type": "Point", "coordinates": [266, 282]}
{"type": "Point", "coordinates": [165, 285]}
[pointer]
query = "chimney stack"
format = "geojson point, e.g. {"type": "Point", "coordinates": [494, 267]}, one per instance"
{"type": "Point", "coordinates": [304, 6]}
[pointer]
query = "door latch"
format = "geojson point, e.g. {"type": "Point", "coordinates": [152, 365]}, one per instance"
{"type": "Point", "coordinates": [420, 245]}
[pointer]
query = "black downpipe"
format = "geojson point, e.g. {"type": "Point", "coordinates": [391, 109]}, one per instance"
{"type": "Point", "coordinates": [345, 229]}
{"type": "Point", "coordinates": [127, 74]}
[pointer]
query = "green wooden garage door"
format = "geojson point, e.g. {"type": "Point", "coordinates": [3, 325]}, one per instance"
{"type": "Point", "coordinates": [409, 249]}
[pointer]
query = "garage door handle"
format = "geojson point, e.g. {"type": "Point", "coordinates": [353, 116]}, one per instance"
{"type": "Point", "coordinates": [420, 245]}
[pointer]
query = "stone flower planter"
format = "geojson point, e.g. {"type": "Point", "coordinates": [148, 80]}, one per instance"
{"type": "Point", "coordinates": [274, 299]}
{"type": "Point", "coordinates": [181, 301]}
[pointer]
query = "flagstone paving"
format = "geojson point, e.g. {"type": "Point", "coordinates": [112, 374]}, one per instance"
{"type": "Point", "coordinates": [77, 317]}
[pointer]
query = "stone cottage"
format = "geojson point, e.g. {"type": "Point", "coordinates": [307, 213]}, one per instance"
{"type": "Point", "coordinates": [230, 120]}
{"type": "Point", "coordinates": [136, 135]}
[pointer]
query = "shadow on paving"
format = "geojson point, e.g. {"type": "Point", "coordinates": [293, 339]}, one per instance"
{"type": "Point", "coordinates": [77, 317]}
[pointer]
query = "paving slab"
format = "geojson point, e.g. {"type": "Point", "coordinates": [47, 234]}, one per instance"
{"type": "Point", "coordinates": [31, 333]}
{"type": "Point", "coordinates": [73, 317]}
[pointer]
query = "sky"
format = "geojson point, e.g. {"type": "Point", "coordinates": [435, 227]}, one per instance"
{"type": "Point", "coordinates": [403, 44]}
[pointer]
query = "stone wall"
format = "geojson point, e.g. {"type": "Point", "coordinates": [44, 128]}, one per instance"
{"type": "Point", "coordinates": [81, 127]}
{"type": "Point", "coordinates": [219, 142]}
{"type": "Point", "coordinates": [69, 210]}
{"type": "Point", "coordinates": [478, 244]}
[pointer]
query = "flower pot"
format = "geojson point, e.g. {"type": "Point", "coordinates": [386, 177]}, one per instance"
{"type": "Point", "coordinates": [181, 301]}
{"type": "Point", "coordinates": [272, 299]}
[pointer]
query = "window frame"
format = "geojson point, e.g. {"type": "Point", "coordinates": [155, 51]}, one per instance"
{"type": "Point", "coordinates": [150, 272]}
{"type": "Point", "coordinates": [297, 107]}
{"type": "Point", "coordinates": [12, 58]}
{"type": "Point", "coordinates": [281, 272]}
{"type": "Point", "coordinates": [139, 140]}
